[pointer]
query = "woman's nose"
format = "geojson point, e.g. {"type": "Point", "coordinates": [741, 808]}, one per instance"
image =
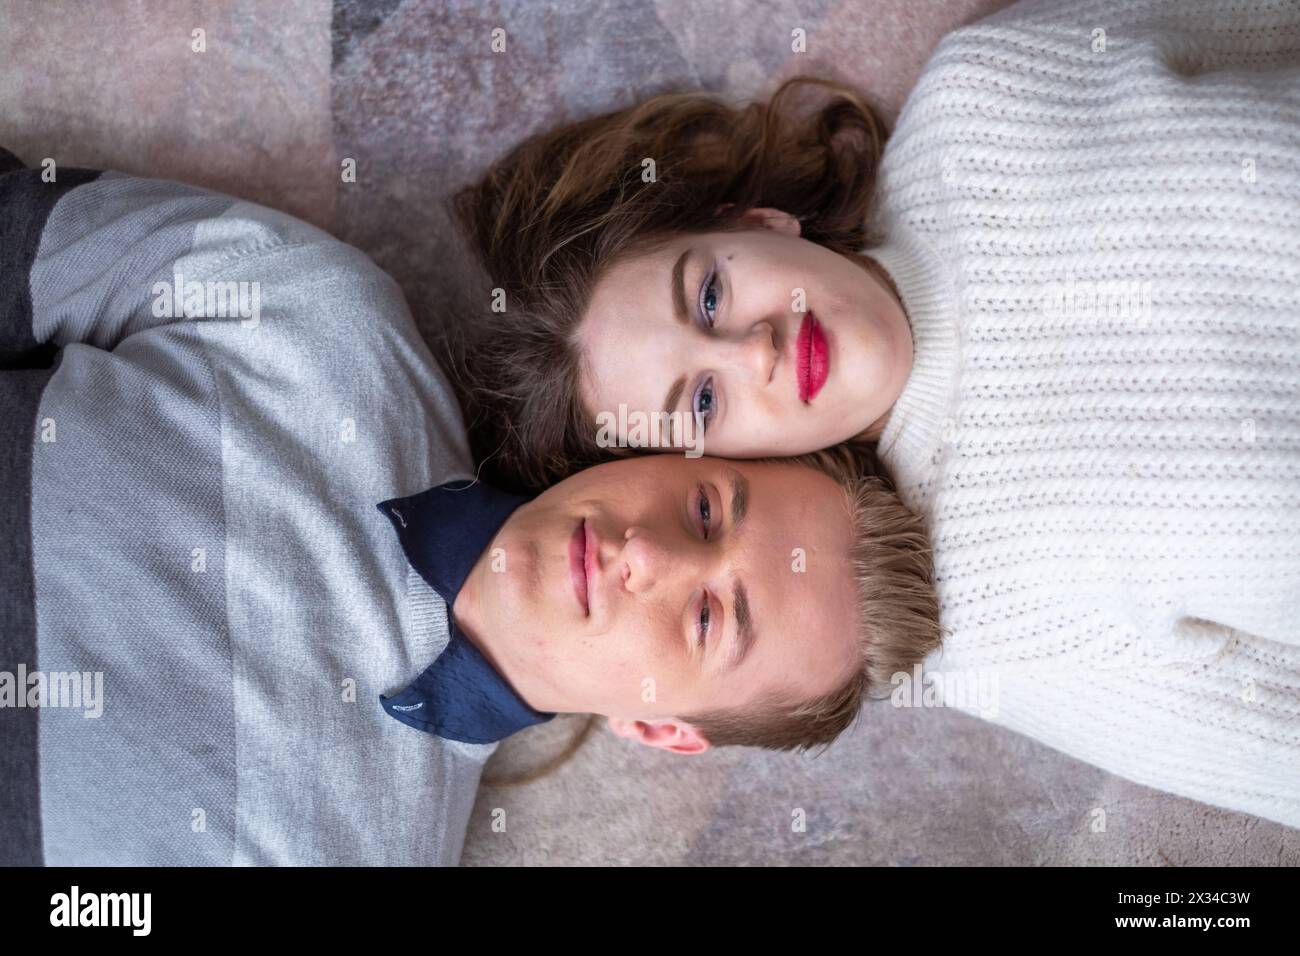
{"type": "Point", "coordinates": [755, 354]}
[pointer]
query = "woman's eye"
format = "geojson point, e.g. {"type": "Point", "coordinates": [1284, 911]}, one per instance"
{"type": "Point", "coordinates": [704, 403]}
{"type": "Point", "coordinates": [705, 512]}
{"type": "Point", "coordinates": [709, 299]}
{"type": "Point", "coordinates": [704, 620]}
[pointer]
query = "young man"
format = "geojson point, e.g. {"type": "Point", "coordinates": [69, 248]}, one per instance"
{"type": "Point", "coordinates": [208, 626]}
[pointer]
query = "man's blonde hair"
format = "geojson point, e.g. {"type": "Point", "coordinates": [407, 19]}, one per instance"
{"type": "Point", "coordinates": [897, 613]}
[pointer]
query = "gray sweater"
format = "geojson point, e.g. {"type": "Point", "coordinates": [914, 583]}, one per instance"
{"type": "Point", "coordinates": [191, 539]}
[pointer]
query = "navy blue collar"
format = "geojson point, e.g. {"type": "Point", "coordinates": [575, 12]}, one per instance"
{"type": "Point", "coordinates": [460, 696]}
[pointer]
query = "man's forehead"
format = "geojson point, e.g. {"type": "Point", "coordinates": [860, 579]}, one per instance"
{"type": "Point", "coordinates": [803, 540]}
{"type": "Point", "coordinates": [807, 622]}
{"type": "Point", "coordinates": [785, 485]}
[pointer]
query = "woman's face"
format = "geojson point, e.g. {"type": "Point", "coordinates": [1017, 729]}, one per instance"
{"type": "Point", "coordinates": [779, 344]}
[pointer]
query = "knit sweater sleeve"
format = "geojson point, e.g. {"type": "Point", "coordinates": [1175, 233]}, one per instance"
{"type": "Point", "coordinates": [1096, 245]}
{"type": "Point", "coordinates": [1224, 731]}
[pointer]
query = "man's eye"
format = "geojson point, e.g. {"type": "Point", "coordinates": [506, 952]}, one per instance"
{"type": "Point", "coordinates": [705, 511]}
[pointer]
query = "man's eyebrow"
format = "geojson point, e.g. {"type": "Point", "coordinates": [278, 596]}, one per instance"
{"type": "Point", "coordinates": [744, 625]}
{"type": "Point", "coordinates": [739, 596]}
{"type": "Point", "coordinates": [680, 312]}
{"type": "Point", "coordinates": [739, 498]}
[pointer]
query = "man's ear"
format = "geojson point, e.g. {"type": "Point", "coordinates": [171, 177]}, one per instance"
{"type": "Point", "coordinates": [665, 734]}
{"type": "Point", "coordinates": [766, 217]}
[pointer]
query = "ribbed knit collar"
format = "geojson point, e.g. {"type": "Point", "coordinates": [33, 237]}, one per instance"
{"type": "Point", "coordinates": [913, 439]}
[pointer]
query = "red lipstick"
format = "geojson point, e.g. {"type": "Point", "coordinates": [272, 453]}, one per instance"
{"type": "Point", "coordinates": [578, 564]}
{"type": "Point", "coordinates": [813, 358]}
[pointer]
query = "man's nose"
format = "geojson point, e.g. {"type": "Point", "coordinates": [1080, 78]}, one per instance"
{"type": "Point", "coordinates": [754, 355]}
{"type": "Point", "coordinates": [646, 560]}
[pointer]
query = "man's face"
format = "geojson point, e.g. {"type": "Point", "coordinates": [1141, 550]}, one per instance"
{"type": "Point", "coordinates": [657, 586]}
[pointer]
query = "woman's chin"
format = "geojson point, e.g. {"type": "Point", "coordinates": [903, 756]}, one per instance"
{"type": "Point", "coordinates": [871, 433]}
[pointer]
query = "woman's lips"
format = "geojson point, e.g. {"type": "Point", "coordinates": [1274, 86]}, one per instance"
{"type": "Point", "coordinates": [813, 357]}
{"type": "Point", "coordinates": [578, 558]}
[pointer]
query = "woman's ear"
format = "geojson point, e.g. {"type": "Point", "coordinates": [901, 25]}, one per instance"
{"type": "Point", "coordinates": [765, 217]}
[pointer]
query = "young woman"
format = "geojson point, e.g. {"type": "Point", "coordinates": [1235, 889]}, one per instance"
{"type": "Point", "coordinates": [1063, 304]}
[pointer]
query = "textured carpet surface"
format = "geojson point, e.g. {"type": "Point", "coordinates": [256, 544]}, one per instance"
{"type": "Point", "coordinates": [284, 93]}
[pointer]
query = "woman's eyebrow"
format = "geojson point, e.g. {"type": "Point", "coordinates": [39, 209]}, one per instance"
{"type": "Point", "coordinates": [680, 311]}
{"type": "Point", "coordinates": [674, 394]}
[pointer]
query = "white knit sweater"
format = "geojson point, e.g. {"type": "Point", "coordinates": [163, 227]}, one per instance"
{"type": "Point", "coordinates": [1113, 489]}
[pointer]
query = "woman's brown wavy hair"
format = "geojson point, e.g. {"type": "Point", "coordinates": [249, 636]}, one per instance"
{"type": "Point", "coordinates": [549, 218]}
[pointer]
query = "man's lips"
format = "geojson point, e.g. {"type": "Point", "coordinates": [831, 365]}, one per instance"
{"type": "Point", "coordinates": [589, 564]}
{"type": "Point", "coordinates": [578, 558]}
{"type": "Point", "coordinates": [812, 357]}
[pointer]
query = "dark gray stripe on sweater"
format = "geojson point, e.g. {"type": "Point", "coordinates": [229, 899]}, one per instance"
{"type": "Point", "coordinates": [25, 205]}
{"type": "Point", "coordinates": [25, 367]}
{"type": "Point", "coordinates": [9, 162]}
{"type": "Point", "coordinates": [20, 798]}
